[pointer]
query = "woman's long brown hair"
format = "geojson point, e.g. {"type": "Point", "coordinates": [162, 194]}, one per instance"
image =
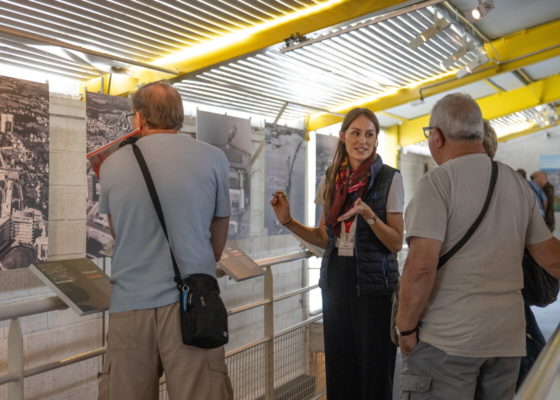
{"type": "Point", "coordinates": [340, 154]}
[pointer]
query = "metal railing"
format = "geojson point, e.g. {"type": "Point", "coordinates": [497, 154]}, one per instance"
{"type": "Point", "coordinates": [543, 381]}
{"type": "Point", "coordinates": [270, 371]}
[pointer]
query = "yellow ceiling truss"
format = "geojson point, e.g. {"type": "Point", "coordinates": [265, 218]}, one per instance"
{"type": "Point", "coordinates": [544, 91]}
{"type": "Point", "coordinates": [244, 42]}
{"type": "Point", "coordinates": [514, 51]}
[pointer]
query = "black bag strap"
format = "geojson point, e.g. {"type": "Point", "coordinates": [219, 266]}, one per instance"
{"type": "Point", "coordinates": [443, 259]}
{"type": "Point", "coordinates": [157, 205]}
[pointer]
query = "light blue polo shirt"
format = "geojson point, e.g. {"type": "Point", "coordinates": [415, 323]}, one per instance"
{"type": "Point", "coordinates": [192, 181]}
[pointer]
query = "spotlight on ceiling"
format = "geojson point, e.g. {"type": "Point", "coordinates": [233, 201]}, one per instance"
{"type": "Point", "coordinates": [481, 10]}
{"type": "Point", "coordinates": [439, 25]}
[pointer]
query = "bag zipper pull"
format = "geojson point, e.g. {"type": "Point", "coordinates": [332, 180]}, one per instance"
{"type": "Point", "coordinates": [202, 302]}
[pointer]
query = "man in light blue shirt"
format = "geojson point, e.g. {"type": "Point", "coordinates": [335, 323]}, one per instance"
{"type": "Point", "coordinates": [540, 195]}
{"type": "Point", "coordinates": [191, 178]}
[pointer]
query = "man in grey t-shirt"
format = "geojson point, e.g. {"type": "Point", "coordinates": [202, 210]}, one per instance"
{"type": "Point", "coordinates": [191, 178]}
{"type": "Point", "coordinates": [462, 327]}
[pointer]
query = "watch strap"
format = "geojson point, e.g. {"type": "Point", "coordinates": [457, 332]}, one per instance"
{"type": "Point", "coordinates": [406, 333]}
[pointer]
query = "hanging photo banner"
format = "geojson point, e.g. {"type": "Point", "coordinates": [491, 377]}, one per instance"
{"type": "Point", "coordinates": [24, 172]}
{"type": "Point", "coordinates": [233, 136]}
{"type": "Point", "coordinates": [285, 170]}
{"type": "Point", "coordinates": [105, 121]}
{"type": "Point", "coordinates": [325, 149]}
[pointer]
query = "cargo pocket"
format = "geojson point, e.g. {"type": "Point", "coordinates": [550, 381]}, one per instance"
{"type": "Point", "coordinates": [415, 387]}
{"type": "Point", "coordinates": [219, 366]}
{"type": "Point", "coordinates": [122, 331]}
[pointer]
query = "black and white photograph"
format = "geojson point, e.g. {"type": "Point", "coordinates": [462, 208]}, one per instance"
{"type": "Point", "coordinates": [24, 172]}
{"type": "Point", "coordinates": [324, 154]}
{"type": "Point", "coordinates": [285, 170]}
{"type": "Point", "coordinates": [105, 121]}
{"type": "Point", "coordinates": [233, 136]}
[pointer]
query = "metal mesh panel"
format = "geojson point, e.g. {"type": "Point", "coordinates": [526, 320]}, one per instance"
{"type": "Point", "coordinates": [247, 372]}
{"type": "Point", "coordinates": [299, 374]}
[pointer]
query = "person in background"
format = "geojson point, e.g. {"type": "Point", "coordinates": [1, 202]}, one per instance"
{"type": "Point", "coordinates": [468, 315]}
{"type": "Point", "coordinates": [490, 141]}
{"type": "Point", "coordinates": [191, 178]}
{"type": "Point", "coordinates": [361, 230]}
{"type": "Point", "coordinates": [534, 338]}
{"type": "Point", "coordinates": [542, 180]}
{"type": "Point", "coordinates": [541, 198]}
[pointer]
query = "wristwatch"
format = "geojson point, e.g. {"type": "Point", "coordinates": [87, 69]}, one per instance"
{"type": "Point", "coordinates": [405, 333]}
{"type": "Point", "coordinates": [371, 221]}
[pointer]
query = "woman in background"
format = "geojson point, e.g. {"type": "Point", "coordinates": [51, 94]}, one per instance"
{"type": "Point", "coordinates": [361, 231]}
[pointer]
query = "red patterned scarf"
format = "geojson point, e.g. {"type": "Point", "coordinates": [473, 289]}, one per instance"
{"type": "Point", "coordinates": [349, 185]}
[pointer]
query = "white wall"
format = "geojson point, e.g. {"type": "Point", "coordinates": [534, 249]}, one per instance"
{"type": "Point", "coordinates": [58, 334]}
{"type": "Point", "coordinates": [524, 152]}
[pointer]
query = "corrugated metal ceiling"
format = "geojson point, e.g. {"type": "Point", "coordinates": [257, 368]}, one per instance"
{"type": "Point", "coordinates": [138, 30]}
{"type": "Point", "coordinates": [346, 69]}
{"type": "Point", "coordinates": [347, 65]}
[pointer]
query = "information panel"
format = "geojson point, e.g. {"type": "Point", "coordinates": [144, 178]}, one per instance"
{"type": "Point", "coordinates": [81, 284]}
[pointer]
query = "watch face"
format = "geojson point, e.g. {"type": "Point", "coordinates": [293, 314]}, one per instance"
{"type": "Point", "coordinates": [370, 221]}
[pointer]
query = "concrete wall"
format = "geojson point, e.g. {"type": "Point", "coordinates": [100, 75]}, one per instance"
{"type": "Point", "coordinates": [55, 335]}
{"type": "Point", "coordinates": [524, 152]}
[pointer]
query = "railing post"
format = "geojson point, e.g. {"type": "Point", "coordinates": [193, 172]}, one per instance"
{"type": "Point", "coordinates": [15, 360]}
{"type": "Point", "coordinates": [269, 332]}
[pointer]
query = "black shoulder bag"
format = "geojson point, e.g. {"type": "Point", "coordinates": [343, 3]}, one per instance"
{"type": "Point", "coordinates": [203, 313]}
{"type": "Point", "coordinates": [444, 258]}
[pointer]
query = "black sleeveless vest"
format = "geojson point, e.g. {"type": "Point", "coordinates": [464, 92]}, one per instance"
{"type": "Point", "coordinates": [376, 267]}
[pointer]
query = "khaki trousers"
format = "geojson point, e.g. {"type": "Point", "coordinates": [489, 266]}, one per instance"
{"type": "Point", "coordinates": [142, 344]}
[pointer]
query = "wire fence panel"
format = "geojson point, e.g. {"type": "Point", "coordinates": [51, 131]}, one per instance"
{"type": "Point", "coordinates": [299, 374]}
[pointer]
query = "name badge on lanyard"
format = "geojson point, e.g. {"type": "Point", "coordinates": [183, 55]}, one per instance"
{"type": "Point", "coordinates": [347, 235]}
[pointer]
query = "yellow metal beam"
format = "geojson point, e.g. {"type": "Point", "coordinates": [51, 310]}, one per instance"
{"type": "Point", "coordinates": [392, 137]}
{"type": "Point", "coordinates": [497, 105]}
{"type": "Point", "coordinates": [249, 40]}
{"type": "Point", "coordinates": [511, 52]}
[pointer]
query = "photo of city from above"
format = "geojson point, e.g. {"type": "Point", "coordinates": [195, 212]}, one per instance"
{"type": "Point", "coordinates": [106, 120]}
{"type": "Point", "coordinates": [24, 168]}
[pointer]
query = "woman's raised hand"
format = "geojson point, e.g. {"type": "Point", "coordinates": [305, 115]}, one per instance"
{"type": "Point", "coordinates": [281, 207]}
{"type": "Point", "coordinates": [359, 208]}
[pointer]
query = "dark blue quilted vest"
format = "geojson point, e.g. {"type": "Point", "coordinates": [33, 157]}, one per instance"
{"type": "Point", "coordinates": [376, 267]}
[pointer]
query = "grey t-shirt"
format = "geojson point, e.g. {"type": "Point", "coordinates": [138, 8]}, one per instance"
{"type": "Point", "coordinates": [191, 179]}
{"type": "Point", "coordinates": [476, 308]}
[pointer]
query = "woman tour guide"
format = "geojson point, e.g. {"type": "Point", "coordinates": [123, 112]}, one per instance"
{"type": "Point", "coordinates": [361, 230]}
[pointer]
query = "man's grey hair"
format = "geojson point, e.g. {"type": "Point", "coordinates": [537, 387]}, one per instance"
{"type": "Point", "coordinates": [458, 117]}
{"type": "Point", "coordinates": [160, 104]}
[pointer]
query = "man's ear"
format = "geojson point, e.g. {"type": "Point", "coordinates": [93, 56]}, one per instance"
{"type": "Point", "coordinates": [439, 139]}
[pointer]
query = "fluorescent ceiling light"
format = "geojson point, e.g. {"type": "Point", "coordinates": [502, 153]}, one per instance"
{"type": "Point", "coordinates": [439, 25]}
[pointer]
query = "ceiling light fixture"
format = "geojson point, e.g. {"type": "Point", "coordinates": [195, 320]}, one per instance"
{"type": "Point", "coordinates": [480, 58]}
{"type": "Point", "coordinates": [439, 25]}
{"type": "Point", "coordinates": [481, 10]}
